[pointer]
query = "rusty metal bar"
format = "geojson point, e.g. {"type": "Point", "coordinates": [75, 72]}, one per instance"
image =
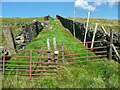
{"type": "Point", "coordinates": [18, 65]}
{"type": "Point", "coordinates": [43, 75]}
{"type": "Point", "coordinates": [87, 51]}
{"type": "Point", "coordinates": [4, 63]}
{"type": "Point", "coordinates": [83, 53]}
{"type": "Point", "coordinates": [46, 62]}
{"type": "Point", "coordinates": [30, 62]}
{"type": "Point", "coordinates": [71, 43]}
{"type": "Point", "coordinates": [84, 48]}
{"type": "Point", "coordinates": [16, 70]}
{"type": "Point", "coordinates": [16, 74]}
{"type": "Point", "coordinates": [17, 61]}
{"type": "Point", "coordinates": [40, 57]}
{"type": "Point", "coordinates": [45, 71]}
{"type": "Point", "coordinates": [19, 56]}
{"type": "Point", "coordinates": [60, 50]}
{"type": "Point", "coordinates": [46, 66]}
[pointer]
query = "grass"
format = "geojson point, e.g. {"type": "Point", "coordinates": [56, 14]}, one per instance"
{"type": "Point", "coordinates": [96, 74]}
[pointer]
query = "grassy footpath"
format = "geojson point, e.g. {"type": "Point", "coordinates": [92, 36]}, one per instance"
{"type": "Point", "coordinates": [97, 74]}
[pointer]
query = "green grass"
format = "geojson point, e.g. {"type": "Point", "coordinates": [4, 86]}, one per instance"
{"type": "Point", "coordinates": [96, 74]}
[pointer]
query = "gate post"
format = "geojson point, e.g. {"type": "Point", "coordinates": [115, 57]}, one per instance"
{"type": "Point", "coordinates": [111, 42]}
{"type": "Point", "coordinates": [48, 47]}
{"type": "Point", "coordinates": [55, 48]}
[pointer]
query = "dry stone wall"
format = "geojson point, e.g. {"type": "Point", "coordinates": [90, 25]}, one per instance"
{"type": "Point", "coordinates": [24, 37]}
{"type": "Point", "coordinates": [80, 31]}
{"type": "Point", "coordinates": [28, 32]}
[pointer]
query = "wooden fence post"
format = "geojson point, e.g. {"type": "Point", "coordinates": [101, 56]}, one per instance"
{"type": "Point", "coordinates": [111, 42]}
{"type": "Point", "coordinates": [4, 62]}
{"type": "Point", "coordinates": [86, 28]}
{"type": "Point", "coordinates": [94, 35]}
{"type": "Point", "coordinates": [48, 47]}
{"type": "Point", "coordinates": [55, 48]}
{"type": "Point", "coordinates": [74, 25]}
{"type": "Point", "coordinates": [30, 62]}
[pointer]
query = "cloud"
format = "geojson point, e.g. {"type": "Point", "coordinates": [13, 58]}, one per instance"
{"type": "Point", "coordinates": [83, 4]}
{"type": "Point", "coordinates": [38, 0]}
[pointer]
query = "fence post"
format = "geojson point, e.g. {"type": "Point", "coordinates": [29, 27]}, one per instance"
{"type": "Point", "coordinates": [48, 47]}
{"type": "Point", "coordinates": [111, 42]}
{"type": "Point", "coordinates": [74, 24]}
{"type": "Point", "coordinates": [87, 50]}
{"type": "Point", "coordinates": [30, 62]}
{"type": "Point", "coordinates": [55, 48]}
{"type": "Point", "coordinates": [4, 62]}
{"type": "Point", "coordinates": [94, 35]}
{"type": "Point", "coordinates": [86, 28]}
{"type": "Point", "coordinates": [62, 53]}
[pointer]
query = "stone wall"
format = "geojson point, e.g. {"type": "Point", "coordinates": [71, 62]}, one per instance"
{"type": "Point", "coordinates": [80, 31]}
{"type": "Point", "coordinates": [99, 36]}
{"type": "Point", "coordinates": [26, 35]}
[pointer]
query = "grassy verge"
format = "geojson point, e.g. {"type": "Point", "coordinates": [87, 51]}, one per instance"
{"type": "Point", "coordinates": [97, 74]}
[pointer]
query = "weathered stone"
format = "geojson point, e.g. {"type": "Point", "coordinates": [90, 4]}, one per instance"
{"type": "Point", "coordinates": [46, 18]}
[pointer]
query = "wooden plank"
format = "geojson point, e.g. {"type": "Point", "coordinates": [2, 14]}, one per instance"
{"type": "Point", "coordinates": [54, 43]}
{"type": "Point", "coordinates": [74, 25]}
{"type": "Point", "coordinates": [86, 28]}
{"type": "Point", "coordinates": [94, 35]}
{"type": "Point", "coordinates": [48, 43]}
{"type": "Point", "coordinates": [111, 42]}
{"type": "Point", "coordinates": [48, 47]}
{"type": "Point", "coordinates": [104, 30]}
{"type": "Point", "coordinates": [116, 51]}
{"type": "Point", "coordinates": [55, 48]}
